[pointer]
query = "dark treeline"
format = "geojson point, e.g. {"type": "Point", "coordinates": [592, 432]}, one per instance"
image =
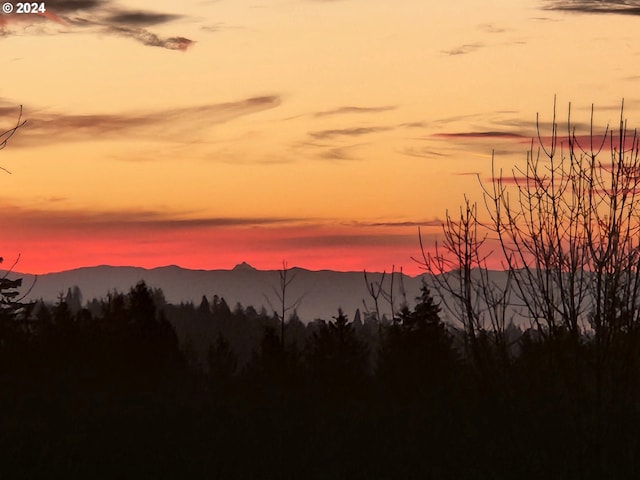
{"type": "Point", "coordinates": [133, 387]}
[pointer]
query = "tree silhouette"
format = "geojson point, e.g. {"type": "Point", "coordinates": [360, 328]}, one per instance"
{"type": "Point", "coordinates": [337, 358]}
{"type": "Point", "coordinates": [73, 299]}
{"type": "Point", "coordinates": [417, 353]}
{"type": "Point", "coordinates": [284, 306]}
{"type": "Point", "coordinates": [142, 344]}
{"type": "Point", "coordinates": [204, 308]}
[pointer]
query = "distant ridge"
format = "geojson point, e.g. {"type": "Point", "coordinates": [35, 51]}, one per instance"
{"type": "Point", "coordinates": [324, 291]}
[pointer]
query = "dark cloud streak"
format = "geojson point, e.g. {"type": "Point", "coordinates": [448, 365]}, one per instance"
{"type": "Point", "coordinates": [620, 7]}
{"type": "Point", "coordinates": [349, 110]}
{"type": "Point", "coordinates": [150, 39]}
{"type": "Point", "coordinates": [141, 18]}
{"type": "Point", "coordinates": [96, 220]}
{"type": "Point", "coordinates": [480, 135]}
{"type": "Point", "coordinates": [464, 49]}
{"type": "Point", "coordinates": [427, 223]}
{"type": "Point", "coordinates": [348, 132]}
{"type": "Point", "coordinates": [421, 153]}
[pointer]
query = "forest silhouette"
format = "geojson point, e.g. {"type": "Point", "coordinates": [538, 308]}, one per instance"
{"type": "Point", "coordinates": [121, 386]}
{"type": "Point", "coordinates": [131, 386]}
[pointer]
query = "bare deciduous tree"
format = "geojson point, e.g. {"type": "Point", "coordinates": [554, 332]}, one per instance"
{"type": "Point", "coordinates": [7, 134]}
{"type": "Point", "coordinates": [459, 271]}
{"type": "Point", "coordinates": [9, 301]}
{"type": "Point", "coordinates": [566, 227]}
{"type": "Point", "coordinates": [285, 277]}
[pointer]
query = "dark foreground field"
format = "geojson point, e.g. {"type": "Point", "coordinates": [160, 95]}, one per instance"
{"type": "Point", "coordinates": [119, 392]}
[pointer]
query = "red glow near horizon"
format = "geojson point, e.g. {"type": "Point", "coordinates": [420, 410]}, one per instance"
{"type": "Point", "coordinates": [312, 248]}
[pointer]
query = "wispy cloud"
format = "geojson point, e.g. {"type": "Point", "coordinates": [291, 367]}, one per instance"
{"type": "Point", "coordinates": [348, 132]}
{"type": "Point", "coordinates": [413, 125]}
{"type": "Point", "coordinates": [491, 28]}
{"type": "Point", "coordinates": [326, 150]}
{"type": "Point", "coordinates": [544, 19]}
{"type": "Point", "coordinates": [464, 49]}
{"type": "Point", "coordinates": [339, 153]}
{"type": "Point", "coordinates": [529, 128]}
{"type": "Point", "coordinates": [493, 117]}
{"type": "Point", "coordinates": [421, 152]}
{"type": "Point", "coordinates": [44, 219]}
{"type": "Point", "coordinates": [425, 223]}
{"type": "Point", "coordinates": [482, 134]}
{"type": "Point", "coordinates": [585, 143]}
{"type": "Point", "coordinates": [44, 128]}
{"type": "Point", "coordinates": [99, 16]}
{"type": "Point", "coordinates": [488, 30]}
{"type": "Point", "coordinates": [150, 39]}
{"type": "Point", "coordinates": [356, 110]}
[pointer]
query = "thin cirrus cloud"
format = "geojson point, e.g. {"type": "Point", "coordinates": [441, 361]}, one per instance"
{"type": "Point", "coordinates": [427, 223]}
{"type": "Point", "coordinates": [348, 132]}
{"type": "Point", "coordinates": [473, 139]}
{"type": "Point", "coordinates": [464, 49]}
{"type": "Point", "coordinates": [148, 38]}
{"type": "Point", "coordinates": [356, 110]}
{"type": "Point", "coordinates": [542, 180]}
{"type": "Point", "coordinates": [485, 28]}
{"type": "Point", "coordinates": [90, 222]}
{"type": "Point", "coordinates": [491, 28]}
{"type": "Point", "coordinates": [44, 128]}
{"type": "Point", "coordinates": [413, 125]}
{"type": "Point", "coordinates": [326, 150]}
{"type": "Point", "coordinates": [586, 143]}
{"type": "Point", "coordinates": [482, 135]}
{"type": "Point", "coordinates": [102, 17]}
{"type": "Point", "coordinates": [339, 153]}
{"type": "Point", "coordinates": [422, 152]}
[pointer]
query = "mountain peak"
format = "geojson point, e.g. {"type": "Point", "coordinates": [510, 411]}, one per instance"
{"type": "Point", "coordinates": [244, 266]}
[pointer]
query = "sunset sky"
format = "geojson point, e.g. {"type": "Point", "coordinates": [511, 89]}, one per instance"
{"type": "Point", "coordinates": [207, 133]}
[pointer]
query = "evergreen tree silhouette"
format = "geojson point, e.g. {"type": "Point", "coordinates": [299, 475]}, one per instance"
{"type": "Point", "coordinates": [204, 308]}
{"type": "Point", "coordinates": [337, 358]}
{"type": "Point", "coordinates": [417, 352]}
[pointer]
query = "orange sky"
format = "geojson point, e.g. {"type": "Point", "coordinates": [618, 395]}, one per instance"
{"type": "Point", "coordinates": [207, 133]}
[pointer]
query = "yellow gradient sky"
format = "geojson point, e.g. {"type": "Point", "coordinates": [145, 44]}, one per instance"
{"type": "Point", "coordinates": [206, 133]}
